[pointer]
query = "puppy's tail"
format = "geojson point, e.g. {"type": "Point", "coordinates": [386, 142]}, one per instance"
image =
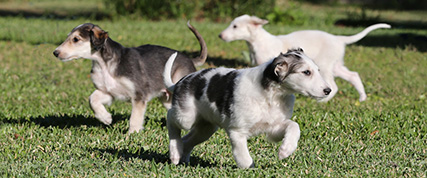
{"type": "Point", "coordinates": [200, 60]}
{"type": "Point", "coordinates": [167, 78]}
{"type": "Point", "coordinates": [359, 36]}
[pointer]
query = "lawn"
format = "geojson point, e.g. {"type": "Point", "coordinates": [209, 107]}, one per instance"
{"type": "Point", "coordinates": [48, 129]}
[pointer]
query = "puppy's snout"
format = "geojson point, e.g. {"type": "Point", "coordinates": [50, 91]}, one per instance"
{"type": "Point", "coordinates": [56, 53]}
{"type": "Point", "coordinates": [327, 91]}
{"type": "Point", "coordinates": [220, 35]}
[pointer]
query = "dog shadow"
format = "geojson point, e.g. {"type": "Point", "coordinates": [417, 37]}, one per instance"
{"type": "Point", "coordinates": [148, 155]}
{"type": "Point", "coordinates": [399, 40]}
{"type": "Point", "coordinates": [67, 120]}
{"type": "Point", "coordinates": [416, 25]}
{"type": "Point", "coordinates": [70, 121]}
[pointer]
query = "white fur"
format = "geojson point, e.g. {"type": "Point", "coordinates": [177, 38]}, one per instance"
{"type": "Point", "coordinates": [168, 71]}
{"type": "Point", "coordinates": [325, 49]}
{"type": "Point", "coordinates": [255, 110]}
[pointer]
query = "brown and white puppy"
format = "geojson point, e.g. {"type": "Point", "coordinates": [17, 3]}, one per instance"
{"type": "Point", "coordinates": [325, 49]}
{"type": "Point", "coordinates": [244, 102]}
{"type": "Point", "coordinates": [121, 73]}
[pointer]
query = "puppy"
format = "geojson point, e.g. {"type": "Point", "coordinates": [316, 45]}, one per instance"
{"type": "Point", "coordinates": [244, 102]}
{"type": "Point", "coordinates": [120, 73]}
{"type": "Point", "coordinates": [325, 49]}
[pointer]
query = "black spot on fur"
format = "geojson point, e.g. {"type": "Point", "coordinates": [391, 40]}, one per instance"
{"type": "Point", "coordinates": [220, 91]}
{"type": "Point", "coordinates": [269, 76]}
{"type": "Point", "coordinates": [192, 84]}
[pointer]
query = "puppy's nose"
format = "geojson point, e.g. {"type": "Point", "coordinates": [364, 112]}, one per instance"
{"type": "Point", "coordinates": [56, 53]}
{"type": "Point", "coordinates": [220, 35]}
{"type": "Point", "coordinates": [327, 91]}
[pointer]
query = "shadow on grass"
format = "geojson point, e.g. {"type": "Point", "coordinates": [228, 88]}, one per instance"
{"type": "Point", "coordinates": [154, 156]}
{"type": "Point", "coordinates": [66, 121]}
{"type": "Point", "coordinates": [399, 40]}
{"type": "Point", "coordinates": [394, 24]}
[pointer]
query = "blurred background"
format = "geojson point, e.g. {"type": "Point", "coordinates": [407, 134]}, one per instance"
{"type": "Point", "coordinates": [291, 12]}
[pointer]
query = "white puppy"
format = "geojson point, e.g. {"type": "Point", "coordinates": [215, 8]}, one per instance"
{"type": "Point", "coordinates": [325, 49]}
{"type": "Point", "coordinates": [244, 102]}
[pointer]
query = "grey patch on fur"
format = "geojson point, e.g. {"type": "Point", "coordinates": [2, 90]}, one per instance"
{"type": "Point", "coordinates": [194, 83]}
{"type": "Point", "coordinates": [220, 91]}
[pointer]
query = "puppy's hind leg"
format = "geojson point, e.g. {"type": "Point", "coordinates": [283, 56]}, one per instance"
{"type": "Point", "coordinates": [200, 132]}
{"type": "Point", "coordinates": [175, 142]}
{"type": "Point", "coordinates": [97, 101]}
{"type": "Point", "coordinates": [136, 121]}
{"type": "Point", "coordinates": [289, 132]}
{"type": "Point", "coordinates": [353, 78]}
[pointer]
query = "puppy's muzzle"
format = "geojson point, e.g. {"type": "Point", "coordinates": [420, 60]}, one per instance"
{"type": "Point", "coordinates": [327, 91]}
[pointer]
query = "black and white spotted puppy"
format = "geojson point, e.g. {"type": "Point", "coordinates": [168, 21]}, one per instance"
{"type": "Point", "coordinates": [244, 102]}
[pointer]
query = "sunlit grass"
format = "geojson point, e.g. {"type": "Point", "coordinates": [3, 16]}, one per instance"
{"type": "Point", "coordinates": [48, 128]}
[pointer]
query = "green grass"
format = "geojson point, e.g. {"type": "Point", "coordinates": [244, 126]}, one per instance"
{"type": "Point", "coordinates": [47, 128]}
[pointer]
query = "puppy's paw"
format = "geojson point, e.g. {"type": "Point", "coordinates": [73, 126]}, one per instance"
{"type": "Point", "coordinates": [286, 150]}
{"type": "Point", "coordinates": [175, 160]}
{"type": "Point", "coordinates": [135, 129]}
{"type": "Point", "coordinates": [104, 118]}
{"type": "Point", "coordinates": [185, 158]}
{"type": "Point", "coordinates": [246, 165]}
{"type": "Point", "coordinates": [362, 97]}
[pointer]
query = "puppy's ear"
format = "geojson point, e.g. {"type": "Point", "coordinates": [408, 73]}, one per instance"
{"type": "Point", "coordinates": [98, 37]}
{"type": "Point", "coordinates": [298, 49]}
{"type": "Point", "coordinates": [258, 21]}
{"type": "Point", "coordinates": [281, 66]}
{"type": "Point", "coordinates": [276, 71]}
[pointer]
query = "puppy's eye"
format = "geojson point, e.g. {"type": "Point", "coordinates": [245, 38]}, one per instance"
{"type": "Point", "coordinates": [234, 26]}
{"type": "Point", "coordinates": [306, 72]}
{"type": "Point", "coordinates": [75, 39]}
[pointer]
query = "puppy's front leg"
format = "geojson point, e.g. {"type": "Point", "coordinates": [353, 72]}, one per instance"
{"type": "Point", "coordinates": [136, 120]}
{"type": "Point", "coordinates": [240, 149]}
{"type": "Point", "coordinates": [97, 101]}
{"type": "Point", "coordinates": [291, 132]}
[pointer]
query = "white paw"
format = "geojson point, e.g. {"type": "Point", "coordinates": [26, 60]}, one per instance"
{"type": "Point", "coordinates": [246, 165]}
{"type": "Point", "coordinates": [286, 150]}
{"type": "Point", "coordinates": [104, 118]}
{"type": "Point", "coordinates": [362, 97]}
{"type": "Point", "coordinates": [175, 158]}
{"type": "Point", "coordinates": [135, 129]}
